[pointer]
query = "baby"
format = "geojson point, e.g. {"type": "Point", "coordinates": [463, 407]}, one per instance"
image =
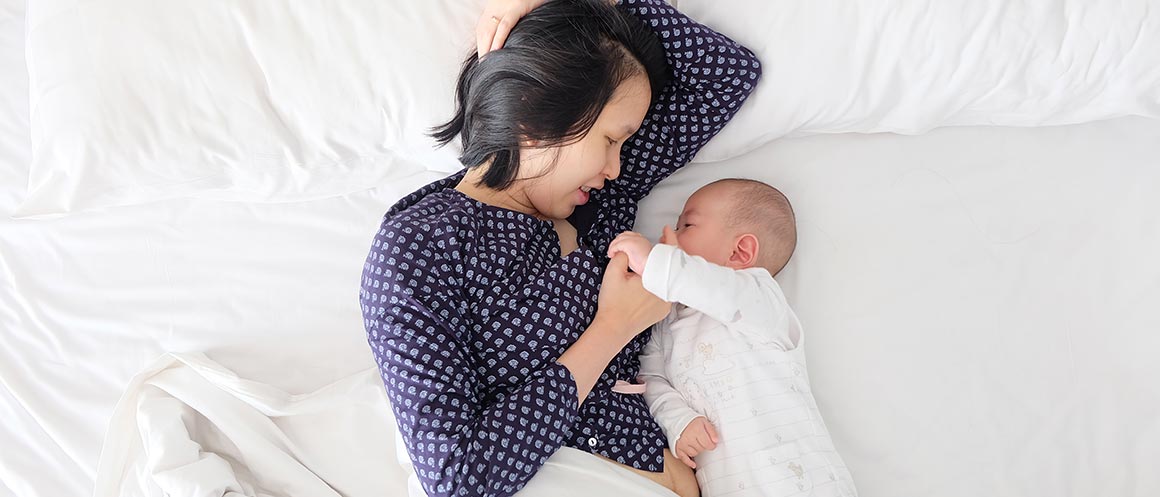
{"type": "Point", "coordinates": [725, 371]}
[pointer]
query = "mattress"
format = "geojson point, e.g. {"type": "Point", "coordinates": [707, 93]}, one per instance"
{"type": "Point", "coordinates": [980, 301]}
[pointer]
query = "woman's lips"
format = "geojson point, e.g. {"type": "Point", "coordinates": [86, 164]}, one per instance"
{"type": "Point", "coordinates": [582, 196]}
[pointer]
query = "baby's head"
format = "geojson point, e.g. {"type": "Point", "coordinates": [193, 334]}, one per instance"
{"type": "Point", "coordinates": [738, 223]}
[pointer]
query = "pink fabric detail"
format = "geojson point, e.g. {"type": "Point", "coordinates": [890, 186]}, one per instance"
{"type": "Point", "coordinates": [622, 386]}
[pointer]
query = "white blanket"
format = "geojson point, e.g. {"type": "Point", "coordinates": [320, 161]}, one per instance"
{"type": "Point", "coordinates": [187, 426]}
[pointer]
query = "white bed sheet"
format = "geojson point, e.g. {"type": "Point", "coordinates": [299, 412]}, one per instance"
{"type": "Point", "coordinates": [15, 144]}
{"type": "Point", "coordinates": [981, 301]}
{"type": "Point", "coordinates": [18, 428]}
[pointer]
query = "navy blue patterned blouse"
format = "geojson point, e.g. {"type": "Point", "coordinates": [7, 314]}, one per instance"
{"type": "Point", "coordinates": [468, 306]}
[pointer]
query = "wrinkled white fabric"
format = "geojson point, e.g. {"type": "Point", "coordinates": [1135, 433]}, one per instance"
{"type": "Point", "coordinates": [187, 426]}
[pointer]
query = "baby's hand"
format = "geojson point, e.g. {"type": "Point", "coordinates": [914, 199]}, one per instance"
{"type": "Point", "coordinates": [699, 436]}
{"type": "Point", "coordinates": [635, 246]}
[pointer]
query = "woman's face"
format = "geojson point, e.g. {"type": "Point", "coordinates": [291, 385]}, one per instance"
{"type": "Point", "coordinates": [554, 191]}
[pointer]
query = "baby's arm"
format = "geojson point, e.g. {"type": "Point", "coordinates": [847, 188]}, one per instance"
{"type": "Point", "coordinates": [667, 405]}
{"type": "Point", "coordinates": [727, 295]}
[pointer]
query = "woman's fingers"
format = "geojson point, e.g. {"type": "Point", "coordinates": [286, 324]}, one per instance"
{"type": "Point", "coordinates": [502, 30]}
{"type": "Point", "coordinates": [618, 265]}
{"type": "Point", "coordinates": [686, 459]}
{"type": "Point", "coordinates": [497, 21]}
{"type": "Point", "coordinates": [485, 32]}
{"type": "Point", "coordinates": [624, 300]}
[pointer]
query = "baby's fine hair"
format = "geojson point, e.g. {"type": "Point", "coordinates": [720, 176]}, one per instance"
{"type": "Point", "coordinates": [763, 210]}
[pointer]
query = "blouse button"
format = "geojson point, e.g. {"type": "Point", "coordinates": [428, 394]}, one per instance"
{"type": "Point", "coordinates": [592, 442]}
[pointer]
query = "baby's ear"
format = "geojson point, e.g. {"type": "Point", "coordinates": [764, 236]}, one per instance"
{"type": "Point", "coordinates": [745, 251]}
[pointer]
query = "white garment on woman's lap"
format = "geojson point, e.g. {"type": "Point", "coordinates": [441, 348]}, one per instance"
{"type": "Point", "coordinates": [732, 350]}
{"type": "Point", "coordinates": [574, 473]}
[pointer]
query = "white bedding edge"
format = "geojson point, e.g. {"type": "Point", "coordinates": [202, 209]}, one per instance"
{"type": "Point", "coordinates": [188, 426]}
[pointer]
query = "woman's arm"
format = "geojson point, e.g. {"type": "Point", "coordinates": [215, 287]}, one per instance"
{"type": "Point", "coordinates": [625, 309]}
{"type": "Point", "coordinates": [459, 442]}
{"type": "Point", "coordinates": [711, 77]}
{"type": "Point", "coordinates": [461, 439]}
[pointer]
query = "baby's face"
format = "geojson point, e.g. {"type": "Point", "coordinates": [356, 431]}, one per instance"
{"type": "Point", "coordinates": [701, 228]}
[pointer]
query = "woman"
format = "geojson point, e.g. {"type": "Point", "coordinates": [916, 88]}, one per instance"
{"type": "Point", "coordinates": [498, 331]}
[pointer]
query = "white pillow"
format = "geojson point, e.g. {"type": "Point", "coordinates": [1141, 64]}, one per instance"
{"type": "Point", "coordinates": [276, 100]}
{"type": "Point", "coordinates": [835, 66]}
{"type": "Point", "coordinates": [135, 100]}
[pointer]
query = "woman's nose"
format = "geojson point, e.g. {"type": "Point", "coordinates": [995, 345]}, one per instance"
{"type": "Point", "coordinates": [612, 170]}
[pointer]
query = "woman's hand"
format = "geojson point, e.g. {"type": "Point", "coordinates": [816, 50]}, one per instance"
{"type": "Point", "coordinates": [624, 304]}
{"type": "Point", "coordinates": [497, 20]}
{"type": "Point", "coordinates": [625, 309]}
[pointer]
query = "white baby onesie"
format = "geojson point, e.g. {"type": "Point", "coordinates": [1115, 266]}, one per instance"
{"type": "Point", "coordinates": [732, 350]}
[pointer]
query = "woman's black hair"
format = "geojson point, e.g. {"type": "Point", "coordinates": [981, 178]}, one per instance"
{"type": "Point", "coordinates": [558, 68]}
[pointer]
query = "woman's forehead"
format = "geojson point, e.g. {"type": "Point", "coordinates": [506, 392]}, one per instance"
{"type": "Point", "coordinates": [625, 111]}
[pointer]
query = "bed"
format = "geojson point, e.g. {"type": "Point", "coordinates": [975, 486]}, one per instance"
{"type": "Point", "coordinates": [979, 288]}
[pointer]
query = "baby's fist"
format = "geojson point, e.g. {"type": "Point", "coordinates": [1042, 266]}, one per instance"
{"type": "Point", "coordinates": [699, 436]}
{"type": "Point", "coordinates": [635, 246]}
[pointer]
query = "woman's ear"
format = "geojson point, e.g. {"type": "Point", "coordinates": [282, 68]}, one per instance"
{"type": "Point", "coordinates": [745, 251]}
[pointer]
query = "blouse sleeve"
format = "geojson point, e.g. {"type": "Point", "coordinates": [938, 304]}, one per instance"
{"type": "Point", "coordinates": [711, 77]}
{"type": "Point", "coordinates": [462, 441]}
